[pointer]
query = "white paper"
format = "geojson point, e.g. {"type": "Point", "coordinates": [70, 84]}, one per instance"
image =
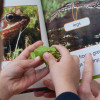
{"type": "Point", "coordinates": [77, 24]}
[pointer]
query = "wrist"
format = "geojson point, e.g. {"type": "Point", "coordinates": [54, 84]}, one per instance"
{"type": "Point", "coordinates": [65, 87]}
{"type": "Point", "coordinates": [4, 94]}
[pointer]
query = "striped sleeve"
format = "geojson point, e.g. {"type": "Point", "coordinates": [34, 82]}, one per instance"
{"type": "Point", "coordinates": [68, 96]}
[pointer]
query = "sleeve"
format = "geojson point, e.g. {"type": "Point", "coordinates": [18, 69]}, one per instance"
{"type": "Point", "coordinates": [68, 96]}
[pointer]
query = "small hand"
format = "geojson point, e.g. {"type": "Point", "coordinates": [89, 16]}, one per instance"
{"type": "Point", "coordinates": [20, 73]}
{"type": "Point", "coordinates": [86, 91]}
{"type": "Point", "coordinates": [65, 72]}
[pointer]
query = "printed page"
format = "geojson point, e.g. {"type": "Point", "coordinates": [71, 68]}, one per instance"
{"type": "Point", "coordinates": [76, 25]}
{"type": "Point", "coordinates": [22, 24]}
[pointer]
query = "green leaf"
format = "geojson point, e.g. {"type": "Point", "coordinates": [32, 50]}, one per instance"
{"type": "Point", "coordinates": [43, 49]}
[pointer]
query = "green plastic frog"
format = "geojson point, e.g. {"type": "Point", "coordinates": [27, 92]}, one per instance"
{"type": "Point", "coordinates": [43, 49]}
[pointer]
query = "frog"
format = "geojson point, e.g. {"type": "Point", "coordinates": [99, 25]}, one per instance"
{"type": "Point", "coordinates": [12, 23]}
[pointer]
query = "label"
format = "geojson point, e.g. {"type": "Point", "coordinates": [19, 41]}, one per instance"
{"type": "Point", "coordinates": [77, 24]}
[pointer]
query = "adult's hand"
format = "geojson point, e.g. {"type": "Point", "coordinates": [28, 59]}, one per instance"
{"type": "Point", "coordinates": [20, 73]}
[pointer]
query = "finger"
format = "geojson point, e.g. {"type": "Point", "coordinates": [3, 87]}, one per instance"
{"type": "Point", "coordinates": [48, 83]}
{"type": "Point", "coordinates": [28, 63]}
{"type": "Point", "coordinates": [88, 70]}
{"type": "Point", "coordinates": [46, 94]}
{"type": "Point", "coordinates": [49, 58]}
{"type": "Point", "coordinates": [41, 73]}
{"type": "Point", "coordinates": [87, 97]}
{"type": "Point", "coordinates": [76, 59]}
{"type": "Point", "coordinates": [95, 87]}
{"type": "Point", "coordinates": [26, 53]}
{"type": "Point", "coordinates": [39, 94]}
{"type": "Point", "coordinates": [85, 86]}
{"type": "Point", "coordinates": [50, 94]}
{"type": "Point", "coordinates": [62, 50]}
{"type": "Point", "coordinates": [98, 97]}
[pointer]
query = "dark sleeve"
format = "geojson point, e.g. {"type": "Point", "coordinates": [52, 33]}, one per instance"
{"type": "Point", "coordinates": [68, 96]}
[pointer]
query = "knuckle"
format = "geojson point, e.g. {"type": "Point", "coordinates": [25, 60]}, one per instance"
{"type": "Point", "coordinates": [83, 90]}
{"type": "Point", "coordinates": [35, 46]}
{"type": "Point", "coordinates": [50, 58]}
{"type": "Point", "coordinates": [60, 46]}
{"type": "Point", "coordinates": [75, 58]}
{"type": "Point", "coordinates": [63, 46]}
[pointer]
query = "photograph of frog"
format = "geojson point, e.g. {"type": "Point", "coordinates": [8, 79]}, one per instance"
{"type": "Point", "coordinates": [66, 11]}
{"type": "Point", "coordinates": [19, 28]}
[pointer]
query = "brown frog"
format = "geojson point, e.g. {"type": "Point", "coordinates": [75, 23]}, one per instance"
{"type": "Point", "coordinates": [12, 23]}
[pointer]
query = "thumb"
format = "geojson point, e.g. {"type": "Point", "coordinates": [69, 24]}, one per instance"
{"type": "Point", "coordinates": [49, 58]}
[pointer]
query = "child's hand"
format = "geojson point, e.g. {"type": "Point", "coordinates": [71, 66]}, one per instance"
{"type": "Point", "coordinates": [20, 73]}
{"type": "Point", "coordinates": [50, 93]}
{"type": "Point", "coordinates": [89, 89]}
{"type": "Point", "coordinates": [65, 73]}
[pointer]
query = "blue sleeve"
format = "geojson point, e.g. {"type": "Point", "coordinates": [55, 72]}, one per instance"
{"type": "Point", "coordinates": [68, 96]}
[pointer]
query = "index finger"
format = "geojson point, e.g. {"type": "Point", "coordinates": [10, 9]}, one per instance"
{"type": "Point", "coordinates": [62, 50]}
{"type": "Point", "coordinates": [85, 86]}
{"type": "Point", "coordinates": [26, 53]}
{"type": "Point", "coordinates": [88, 70]}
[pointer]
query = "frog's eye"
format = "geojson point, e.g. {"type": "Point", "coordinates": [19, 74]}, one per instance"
{"type": "Point", "coordinates": [10, 17]}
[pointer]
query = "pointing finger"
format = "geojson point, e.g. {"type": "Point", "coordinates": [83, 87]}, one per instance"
{"type": "Point", "coordinates": [26, 53]}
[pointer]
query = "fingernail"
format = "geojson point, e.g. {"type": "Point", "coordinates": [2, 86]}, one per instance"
{"type": "Point", "coordinates": [87, 56]}
{"type": "Point", "coordinates": [46, 55]}
{"type": "Point", "coordinates": [37, 58]}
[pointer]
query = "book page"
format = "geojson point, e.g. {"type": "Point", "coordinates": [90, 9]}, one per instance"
{"type": "Point", "coordinates": [76, 25]}
{"type": "Point", "coordinates": [22, 24]}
